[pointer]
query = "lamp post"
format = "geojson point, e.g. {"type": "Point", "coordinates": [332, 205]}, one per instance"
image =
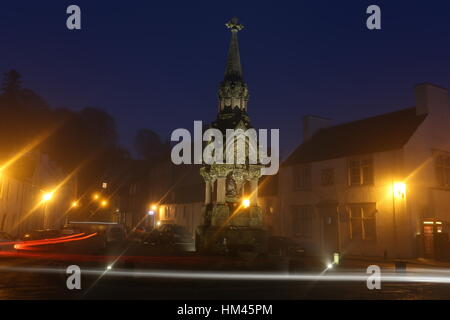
{"type": "Point", "coordinates": [246, 203]}
{"type": "Point", "coordinates": [398, 191]}
{"type": "Point", "coordinates": [73, 205]}
{"type": "Point", "coordinates": [46, 197]}
{"type": "Point", "coordinates": [151, 214]}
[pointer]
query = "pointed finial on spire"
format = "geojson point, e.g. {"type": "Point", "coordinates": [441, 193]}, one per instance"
{"type": "Point", "coordinates": [234, 24]}
{"type": "Point", "coordinates": [233, 90]}
{"type": "Point", "coordinates": [233, 70]}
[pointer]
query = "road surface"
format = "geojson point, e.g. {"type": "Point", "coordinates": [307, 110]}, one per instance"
{"type": "Point", "coordinates": [39, 275]}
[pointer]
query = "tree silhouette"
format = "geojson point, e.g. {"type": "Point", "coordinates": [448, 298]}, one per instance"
{"type": "Point", "coordinates": [11, 83]}
{"type": "Point", "coordinates": [148, 145]}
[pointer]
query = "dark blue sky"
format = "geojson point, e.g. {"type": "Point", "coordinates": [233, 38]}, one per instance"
{"type": "Point", "coordinates": [157, 64]}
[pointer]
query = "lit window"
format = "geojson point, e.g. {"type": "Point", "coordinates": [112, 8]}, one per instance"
{"type": "Point", "coordinates": [166, 212]}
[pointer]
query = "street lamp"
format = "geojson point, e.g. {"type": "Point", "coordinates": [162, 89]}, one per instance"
{"type": "Point", "coordinates": [95, 196]}
{"type": "Point", "coordinates": [104, 203]}
{"type": "Point", "coordinates": [400, 190]}
{"type": "Point", "coordinates": [74, 204]}
{"type": "Point", "coordinates": [46, 197]}
{"type": "Point", "coordinates": [246, 203]}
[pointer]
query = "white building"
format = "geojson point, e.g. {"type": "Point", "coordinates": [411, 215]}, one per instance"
{"type": "Point", "coordinates": [377, 187]}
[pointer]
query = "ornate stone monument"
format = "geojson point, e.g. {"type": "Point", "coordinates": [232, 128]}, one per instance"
{"type": "Point", "coordinates": [232, 217]}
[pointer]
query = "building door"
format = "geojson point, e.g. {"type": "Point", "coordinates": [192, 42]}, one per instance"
{"type": "Point", "coordinates": [428, 243]}
{"type": "Point", "coordinates": [330, 234]}
{"type": "Point", "coordinates": [435, 242]}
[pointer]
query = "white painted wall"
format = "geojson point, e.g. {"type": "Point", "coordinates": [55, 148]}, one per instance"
{"type": "Point", "coordinates": [412, 164]}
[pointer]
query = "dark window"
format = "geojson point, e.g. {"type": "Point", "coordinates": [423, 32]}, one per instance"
{"type": "Point", "coordinates": [356, 223]}
{"type": "Point", "coordinates": [363, 222]}
{"type": "Point", "coordinates": [327, 177]}
{"type": "Point", "coordinates": [302, 221]}
{"type": "Point", "coordinates": [302, 177]}
{"type": "Point", "coordinates": [360, 171]}
{"type": "Point", "coordinates": [443, 171]}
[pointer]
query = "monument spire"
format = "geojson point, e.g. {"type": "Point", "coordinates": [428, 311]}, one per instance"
{"type": "Point", "coordinates": [233, 91]}
{"type": "Point", "coordinates": [233, 70]}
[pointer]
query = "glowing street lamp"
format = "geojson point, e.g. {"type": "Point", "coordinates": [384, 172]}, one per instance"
{"type": "Point", "coordinates": [104, 203]}
{"type": "Point", "coordinates": [246, 203]}
{"type": "Point", "coordinates": [95, 196]}
{"type": "Point", "coordinates": [47, 196]}
{"type": "Point", "coordinates": [400, 190]}
{"type": "Point", "coordinates": [153, 207]}
{"type": "Point", "coordinates": [74, 204]}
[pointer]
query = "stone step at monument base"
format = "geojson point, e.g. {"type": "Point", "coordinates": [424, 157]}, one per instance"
{"type": "Point", "coordinates": [230, 239]}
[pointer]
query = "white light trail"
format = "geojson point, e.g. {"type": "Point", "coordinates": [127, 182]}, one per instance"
{"type": "Point", "coordinates": [430, 276]}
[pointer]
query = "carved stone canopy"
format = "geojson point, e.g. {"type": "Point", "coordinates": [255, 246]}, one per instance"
{"type": "Point", "coordinates": [239, 173]}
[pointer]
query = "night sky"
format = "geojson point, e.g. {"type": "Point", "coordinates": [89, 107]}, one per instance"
{"type": "Point", "coordinates": [158, 64]}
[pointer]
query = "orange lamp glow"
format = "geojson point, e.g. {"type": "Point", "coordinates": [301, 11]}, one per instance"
{"type": "Point", "coordinates": [47, 196]}
{"type": "Point", "coordinates": [399, 189]}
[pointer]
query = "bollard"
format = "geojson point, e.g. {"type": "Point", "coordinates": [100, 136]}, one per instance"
{"type": "Point", "coordinates": [336, 258]}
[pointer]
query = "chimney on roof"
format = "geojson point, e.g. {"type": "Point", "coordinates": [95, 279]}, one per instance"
{"type": "Point", "coordinates": [312, 124]}
{"type": "Point", "coordinates": [431, 99]}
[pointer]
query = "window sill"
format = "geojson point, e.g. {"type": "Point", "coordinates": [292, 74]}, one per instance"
{"type": "Point", "coordinates": [361, 185]}
{"type": "Point", "coordinates": [442, 188]}
{"type": "Point", "coordinates": [308, 189]}
{"type": "Point", "coordinates": [364, 240]}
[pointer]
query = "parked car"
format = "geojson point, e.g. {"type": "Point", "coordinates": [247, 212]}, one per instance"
{"type": "Point", "coordinates": [6, 241]}
{"type": "Point", "coordinates": [116, 233]}
{"type": "Point", "coordinates": [171, 235]}
{"type": "Point", "coordinates": [284, 246]}
{"type": "Point", "coordinates": [5, 237]}
{"type": "Point", "coordinates": [70, 230]}
{"type": "Point", "coordinates": [41, 234]}
{"type": "Point", "coordinates": [107, 232]}
{"type": "Point", "coordinates": [138, 234]}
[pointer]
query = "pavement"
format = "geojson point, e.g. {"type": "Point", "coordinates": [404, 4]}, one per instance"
{"type": "Point", "coordinates": [390, 263]}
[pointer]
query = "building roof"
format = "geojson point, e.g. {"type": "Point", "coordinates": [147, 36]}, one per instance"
{"type": "Point", "coordinates": [385, 132]}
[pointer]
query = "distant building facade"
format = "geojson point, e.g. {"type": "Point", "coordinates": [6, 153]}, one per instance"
{"type": "Point", "coordinates": [22, 186]}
